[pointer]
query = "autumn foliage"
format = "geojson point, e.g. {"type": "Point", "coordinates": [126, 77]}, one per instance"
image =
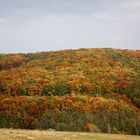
{"type": "Point", "coordinates": [96, 90]}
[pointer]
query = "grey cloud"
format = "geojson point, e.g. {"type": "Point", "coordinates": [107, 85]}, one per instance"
{"type": "Point", "coordinates": [15, 7]}
{"type": "Point", "coordinates": [41, 25]}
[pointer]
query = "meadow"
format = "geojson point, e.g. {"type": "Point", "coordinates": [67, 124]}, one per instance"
{"type": "Point", "coordinates": [18, 134]}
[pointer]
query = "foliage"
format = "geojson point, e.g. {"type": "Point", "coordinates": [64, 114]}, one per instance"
{"type": "Point", "coordinates": [73, 90]}
{"type": "Point", "coordinates": [69, 113]}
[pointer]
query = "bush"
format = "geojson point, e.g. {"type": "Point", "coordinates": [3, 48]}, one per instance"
{"type": "Point", "coordinates": [91, 128]}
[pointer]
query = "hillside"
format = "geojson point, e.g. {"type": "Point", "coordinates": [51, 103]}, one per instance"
{"type": "Point", "coordinates": [95, 90]}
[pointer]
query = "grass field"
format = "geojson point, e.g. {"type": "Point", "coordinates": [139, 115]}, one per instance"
{"type": "Point", "coordinates": [13, 134]}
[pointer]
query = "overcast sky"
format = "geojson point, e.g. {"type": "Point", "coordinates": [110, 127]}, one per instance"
{"type": "Point", "coordinates": [43, 25]}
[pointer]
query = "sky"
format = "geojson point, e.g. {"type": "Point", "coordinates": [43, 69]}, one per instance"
{"type": "Point", "coordinates": [44, 25]}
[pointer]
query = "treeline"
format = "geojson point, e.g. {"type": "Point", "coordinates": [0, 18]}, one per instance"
{"type": "Point", "coordinates": [106, 75]}
{"type": "Point", "coordinates": [79, 113]}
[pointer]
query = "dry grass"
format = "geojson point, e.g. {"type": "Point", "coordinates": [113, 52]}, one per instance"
{"type": "Point", "coordinates": [13, 134]}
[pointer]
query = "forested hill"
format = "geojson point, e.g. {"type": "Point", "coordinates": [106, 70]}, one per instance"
{"type": "Point", "coordinates": [96, 89]}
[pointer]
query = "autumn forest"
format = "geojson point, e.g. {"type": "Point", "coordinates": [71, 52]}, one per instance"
{"type": "Point", "coordinates": [93, 90]}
